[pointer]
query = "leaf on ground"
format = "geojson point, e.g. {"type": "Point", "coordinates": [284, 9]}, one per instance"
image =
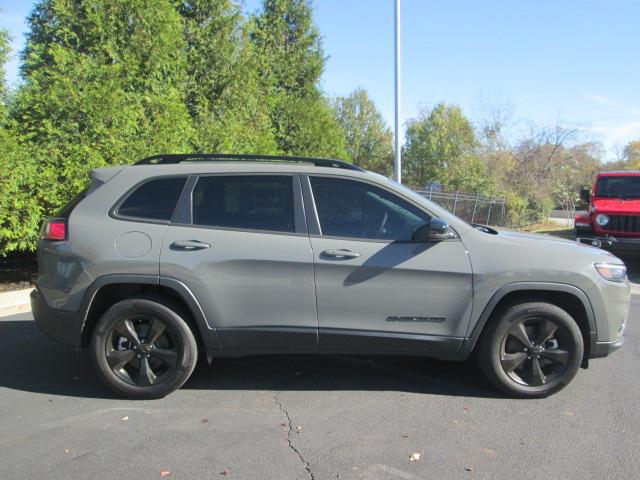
{"type": "Point", "coordinates": [124, 419]}
{"type": "Point", "coordinates": [414, 457]}
{"type": "Point", "coordinates": [489, 452]}
{"type": "Point", "coordinates": [165, 473]}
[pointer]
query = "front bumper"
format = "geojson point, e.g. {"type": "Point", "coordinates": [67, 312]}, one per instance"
{"type": "Point", "coordinates": [621, 245]}
{"type": "Point", "coordinates": [604, 349]}
{"type": "Point", "coordinates": [59, 325]}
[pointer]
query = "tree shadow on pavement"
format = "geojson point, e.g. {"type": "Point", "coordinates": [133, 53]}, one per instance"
{"type": "Point", "coordinates": [33, 363]}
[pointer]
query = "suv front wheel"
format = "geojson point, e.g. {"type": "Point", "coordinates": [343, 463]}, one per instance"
{"type": "Point", "coordinates": [143, 349]}
{"type": "Point", "coordinates": [531, 349]}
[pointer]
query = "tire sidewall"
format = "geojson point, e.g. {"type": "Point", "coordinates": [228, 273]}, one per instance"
{"type": "Point", "coordinates": [178, 329]}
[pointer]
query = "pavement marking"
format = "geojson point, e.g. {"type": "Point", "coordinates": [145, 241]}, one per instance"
{"type": "Point", "coordinates": [380, 471]}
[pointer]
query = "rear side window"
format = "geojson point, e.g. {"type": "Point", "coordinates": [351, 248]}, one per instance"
{"type": "Point", "coordinates": [153, 200]}
{"type": "Point", "coordinates": [261, 202]}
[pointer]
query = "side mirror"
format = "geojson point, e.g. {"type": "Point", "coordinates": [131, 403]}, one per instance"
{"type": "Point", "coordinates": [585, 194]}
{"type": "Point", "coordinates": [434, 231]}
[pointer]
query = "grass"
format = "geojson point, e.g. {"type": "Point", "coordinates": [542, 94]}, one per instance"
{"type": "Point", "coordinates": [550, 228]}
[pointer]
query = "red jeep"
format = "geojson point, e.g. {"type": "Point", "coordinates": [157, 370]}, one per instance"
{"type": "Point", "coordinates": [613, 220]}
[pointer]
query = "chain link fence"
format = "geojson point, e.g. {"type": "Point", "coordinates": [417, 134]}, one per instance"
{"type": "Point", "coordinates": [475, 208]}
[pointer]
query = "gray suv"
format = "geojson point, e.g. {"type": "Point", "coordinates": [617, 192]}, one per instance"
{"type": "Point", "coordinates": [181, 256]}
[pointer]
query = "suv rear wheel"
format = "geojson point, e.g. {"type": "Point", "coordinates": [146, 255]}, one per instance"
{"type": "Point", "coordinates": [143, 349]}
{"type": "Point", "coordinates": [531, 349]}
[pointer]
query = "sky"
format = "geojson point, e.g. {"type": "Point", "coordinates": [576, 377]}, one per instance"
{"type": "Point", "coordinates": [573, 62]}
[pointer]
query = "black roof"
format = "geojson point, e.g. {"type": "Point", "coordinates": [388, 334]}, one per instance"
{"type": "Point", "coordinates": [173, 158]}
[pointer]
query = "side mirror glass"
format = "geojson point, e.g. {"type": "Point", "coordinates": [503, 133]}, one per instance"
{"type": "Point", "coordinates": [585, 194]}
{"type": "Point", "coordinates": [434, 231]}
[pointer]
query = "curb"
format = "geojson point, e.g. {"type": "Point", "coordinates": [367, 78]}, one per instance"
{"type": "Point", "coordinates": [15, 298]}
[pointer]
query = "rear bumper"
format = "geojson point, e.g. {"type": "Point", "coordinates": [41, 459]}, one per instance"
{"type": "Point", "coordinates": [613, 244]}
{"type": "Point", "coordinates": [59, 325]}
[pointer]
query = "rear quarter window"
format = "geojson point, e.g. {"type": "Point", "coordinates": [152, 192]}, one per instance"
{"type": "Point", "coordinates": [153, 200]}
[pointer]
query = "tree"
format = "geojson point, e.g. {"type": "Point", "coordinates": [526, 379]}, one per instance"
{"type": "Point", "coordinates": [103, 85]}
{"type": "Point", "coordinates": [441, 146]}
{"type": "Point", "coordinates": [493, 125]}
{"type": "Point", "coordinates": [19, 211]}
{"type": "Point", "coordinates": [291, 60]}
{"type": "Point", "coordinates": [224, 95]}
{"type": "Point", "coordinates": [552, 164]}
{"type": "Point", "coordinates": [631, 154]}
{"type": "Point", "coordinates": [4, 56]}
{"type": "Point", "coordinates": [369, 142]}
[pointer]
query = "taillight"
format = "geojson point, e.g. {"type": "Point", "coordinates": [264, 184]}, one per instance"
{"type": "Point", "coordinates": [54, 229]}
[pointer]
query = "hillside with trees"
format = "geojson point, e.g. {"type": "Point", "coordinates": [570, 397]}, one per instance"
{"type": "Point", "coordinates": [107, 82]}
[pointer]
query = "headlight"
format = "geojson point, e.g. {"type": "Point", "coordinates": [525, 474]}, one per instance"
{"type": "Point", "coordinates": [612, 271]}
{"type": "Point", "coordinates": [602, 219]}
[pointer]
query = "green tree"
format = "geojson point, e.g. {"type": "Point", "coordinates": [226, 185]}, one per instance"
{"type": "Point", "coordinates": [441, 146]}
{"type": "Point", "coordinates": [19, 210]}
{"type": "Point", "coordinates": [103, 84]}
{"type": "Point", "coordinates": [631, 154]}
{"type": "Point", "coordinates": [290, 61]}
{"type": "Point", "coordinates": [4, 56]}
{"type": "Point", "coordinates": [369, 142]}
{"type": "Point", "coordinates": [224, 95]}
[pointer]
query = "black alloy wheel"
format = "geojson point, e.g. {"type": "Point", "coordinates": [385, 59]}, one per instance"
{"type": "Point", "coordinates": [536, 351]}
{"type": "Point", "coordinates": [143, 348]}
{"type": "Point", "coordinates": [531, 349]}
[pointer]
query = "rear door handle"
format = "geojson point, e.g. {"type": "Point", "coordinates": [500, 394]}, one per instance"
{"type": "Point", "coordinates": [188, 245]}
{"type": "Point", "coordinates": [339, 254]}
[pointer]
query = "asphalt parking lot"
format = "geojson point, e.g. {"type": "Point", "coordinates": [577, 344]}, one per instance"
{"type": "Point", "coordinates": [296, 417]}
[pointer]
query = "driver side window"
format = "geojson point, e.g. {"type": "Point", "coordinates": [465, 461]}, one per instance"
{"type": "Point", "coordinates": [349, 208]}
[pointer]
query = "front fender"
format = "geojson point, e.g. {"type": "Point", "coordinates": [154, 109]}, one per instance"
{"type": "Point", "coordinates": [476, 326]}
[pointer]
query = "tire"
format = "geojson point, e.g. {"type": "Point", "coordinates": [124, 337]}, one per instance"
{"type": "Point", "coordinates": [551, 338]}
{"type": "Point", "coordinates": [142, 348]}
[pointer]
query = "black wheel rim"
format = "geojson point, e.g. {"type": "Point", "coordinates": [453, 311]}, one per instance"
{"type": "Point", "coordinates": [536, 351]}
{"type": "Point", "coordinates": [141, 350]}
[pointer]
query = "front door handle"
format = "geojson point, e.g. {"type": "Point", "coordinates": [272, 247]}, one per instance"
{"type": "Point", "coordinates": [188, 245]}
{"type": "Point", "coordinates": [340, 254]}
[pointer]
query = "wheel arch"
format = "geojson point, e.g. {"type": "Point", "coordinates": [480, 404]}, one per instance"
{"type": "Point", "coordinates": [107, 290]}
{"type": "Point", "coordinates": [571, 299]}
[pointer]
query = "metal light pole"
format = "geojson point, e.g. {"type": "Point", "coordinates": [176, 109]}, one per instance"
{"type": "Point", "coordinates": [398, 153]}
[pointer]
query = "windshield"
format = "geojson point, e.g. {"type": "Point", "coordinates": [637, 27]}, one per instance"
{"type": "Point", "coordinates": [619, 187]}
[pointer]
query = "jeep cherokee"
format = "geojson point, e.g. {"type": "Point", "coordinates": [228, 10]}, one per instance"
{"type": "Point", "coordinates": [180, 256]}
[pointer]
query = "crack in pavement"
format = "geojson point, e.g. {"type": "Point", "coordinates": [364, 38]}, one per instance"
{"type": "Point", "coordinates": [289, 442]}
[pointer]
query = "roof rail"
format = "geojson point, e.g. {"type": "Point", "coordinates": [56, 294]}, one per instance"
{"type": "Point", "coordinates": [173, 158]}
